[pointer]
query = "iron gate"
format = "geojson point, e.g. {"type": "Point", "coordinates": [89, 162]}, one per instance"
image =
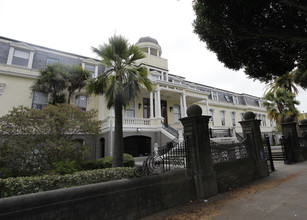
{"type": "Point", "coordinates": [287, 149]}
{"type": "Point", "coordinates": [172, 156]}
{"type": "Point", "coordinates": [268, 154]}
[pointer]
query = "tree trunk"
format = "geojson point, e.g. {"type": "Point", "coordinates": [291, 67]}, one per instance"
{"type": "Point", "coordinates": [118, 147]}
{"type": "Point", "coordinates": [69, 96]}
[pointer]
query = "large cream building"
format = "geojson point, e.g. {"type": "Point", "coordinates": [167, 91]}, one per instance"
{"type": "Point", "coordinates": [153, 117]}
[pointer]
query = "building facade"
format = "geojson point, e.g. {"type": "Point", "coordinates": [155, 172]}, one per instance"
{"type": "Point", "coordinates": [153, 117]}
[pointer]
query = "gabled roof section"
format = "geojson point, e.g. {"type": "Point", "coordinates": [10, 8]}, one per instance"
{"type": "Point", "coordinates": [90, 61]}
{"type": "Point", "coordinates": [23, 46]}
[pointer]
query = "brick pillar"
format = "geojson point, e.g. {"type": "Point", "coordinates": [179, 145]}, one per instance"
{"type": "Point", "coordinates": [200, 165]}
{"type": "Point", "coordinates": [289, 131]}
{"type": "Point", "coordinates": [251, 130]}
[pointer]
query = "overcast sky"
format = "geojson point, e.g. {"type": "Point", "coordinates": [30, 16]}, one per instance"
{"type": "Point", "coordinates": [74, 26]}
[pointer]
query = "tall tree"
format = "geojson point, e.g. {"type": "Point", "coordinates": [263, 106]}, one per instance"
{"type": "Point", "coordinates": [280, 104]}
{"type": "Point", "coordinates": [57, 77]}
{"type": "Point", "coordinates": [53, 79]}
{"type": "Point", "coordinates": [266, 38]}
{"type": "Point", "coordinates": [121, 82]}
{"type": "Point", "coordinates": [285, 81]}
{"type": "Point", "coordinates": [77, 78]}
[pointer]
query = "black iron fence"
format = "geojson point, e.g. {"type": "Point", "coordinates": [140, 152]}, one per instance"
{"type": "Point", "coordinates": [227, 152]}
{"type": "Point", "coordinates": [172, 156]}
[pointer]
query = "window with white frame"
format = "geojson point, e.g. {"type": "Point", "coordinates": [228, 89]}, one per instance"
{"type": "Point", "coordinates": [233, 118]}
{"type": "Point", "coordinates": [223, 120]}
{"type": "Point", "coordinates": [235, 99]}
{"type": "Point", "coordinates": [263, 120]}
{"type": "Point", "coordinates": [21, 57]}
{"type": "Point", "coordinates": [211, 112]}
{"type": "Point", "coordinates": [51, 61]}
{"type": "Point", "coordinates": [81, 101]}
{"type": "Point", "coordinates": [91, 68]}
{"type": "Point", "coordinates": [20, 54]}
{"type": "Point", "coordinates": [154, 77]}
{"type": "Point", "coordinates": [214, 95]}
{"type": "Point", "coordinates": [177, 113]}
{"type": "Point", "coordinates": [129, 111]}
{"type": "Point", "coordinates": [40, 100]}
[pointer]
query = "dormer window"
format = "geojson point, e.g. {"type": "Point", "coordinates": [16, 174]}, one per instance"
{"type": "Point", "coordinates": [214, 96]}
{"type": "Point", "coordinates": [20, 55]}
{"type": "Point", "coordinates": [51, 61]}
{"type": "Point", "coordinates": [227, 98]}
{"type": "Point", "coordinates": [91, 66]}
{"type": "Point", "coordinates": [235, 99]}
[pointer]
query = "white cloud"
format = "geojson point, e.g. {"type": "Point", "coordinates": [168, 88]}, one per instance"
{"type": "Point", "coordinates": [74, 26]}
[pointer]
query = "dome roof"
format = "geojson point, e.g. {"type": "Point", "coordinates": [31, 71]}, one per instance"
{"type": "Point", "coordinates": [148, 39]}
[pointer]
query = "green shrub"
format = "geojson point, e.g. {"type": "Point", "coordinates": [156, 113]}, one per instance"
{"type": "Point", "coordinates": [65, 167]}
{"type": "Point", "coordinates": [106, 162]}
{"type": "Point", "coordinates": [25, 185]}
{"type": "Point", "coordinates": [89, 165]}
{"type": "Point", "coordinates": [128, 160]}
{"type": "Point", "coordinates": [32, 140]}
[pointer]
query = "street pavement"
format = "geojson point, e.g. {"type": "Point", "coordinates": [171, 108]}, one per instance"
{"type": "Point", "coordinates": [281, 196]}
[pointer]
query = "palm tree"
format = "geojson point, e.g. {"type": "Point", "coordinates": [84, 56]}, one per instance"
{"type": "Point", "coordinates": [121, 82]}
{"type": "Point", "coordinates": [77, 78]}
{"type": "Point", "coordinates": [53, 79]}
{"type": "Point", "coordinates": [285, 81]}
{"type": "Point", "coordinates": [280, 104]}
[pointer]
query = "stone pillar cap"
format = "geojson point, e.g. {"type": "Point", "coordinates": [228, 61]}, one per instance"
{"type": "Point", "coordinates": [288, 119]}
{"type": "Point", "coordinates": [194, 110]}
{"type": "Point", "coordinates": [249, 115]}
{"type": "Point", "coordinates": [304, 121]}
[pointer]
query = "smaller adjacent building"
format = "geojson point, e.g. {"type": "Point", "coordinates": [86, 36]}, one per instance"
{"type": "Point", "coordinates": [153, 117]}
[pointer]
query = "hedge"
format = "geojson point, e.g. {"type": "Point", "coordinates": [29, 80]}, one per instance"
{"type": "Point", "coordinates": [106, 162]}
{"type": "Point", "coordinates": [25, 185]}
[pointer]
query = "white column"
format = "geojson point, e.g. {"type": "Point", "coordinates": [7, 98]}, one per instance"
{"type": "Point", "coordinates": [159, 104]}
{"type": "Point", "coordinates": [181, 107]}
{"type": "Point", "coordinates": [207, 104]}
{"type": "Point", "coordinates": [156, 104]}
{"type": "Point", "coordinates": [184, 104]}
{"type": "Point", "coordinates": [151, 105]}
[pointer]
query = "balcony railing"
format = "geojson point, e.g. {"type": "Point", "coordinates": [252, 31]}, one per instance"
{"type": "Point", "coordinates": [133, 122]}
{"type": "Point", "coordinates": [136, 121]}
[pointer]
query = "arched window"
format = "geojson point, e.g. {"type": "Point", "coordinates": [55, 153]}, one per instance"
{"type": "Point", "coordinates": [81, 102]}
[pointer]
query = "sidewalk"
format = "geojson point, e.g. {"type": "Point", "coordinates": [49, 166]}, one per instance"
{"type": "Point", "coordinates": [282, 196]}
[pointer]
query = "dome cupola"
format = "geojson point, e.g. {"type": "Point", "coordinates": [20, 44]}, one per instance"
{"type": "Point", "coordinates": [150, 45]}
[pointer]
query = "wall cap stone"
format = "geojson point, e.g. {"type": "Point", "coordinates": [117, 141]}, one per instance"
{"type": "Point", "coordinates": [194, 110]}
{"type": "Point", "coordinates": [249, 115]}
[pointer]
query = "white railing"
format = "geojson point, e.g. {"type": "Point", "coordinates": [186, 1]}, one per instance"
{"type": "Point", "coordinates": [136, 121]}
